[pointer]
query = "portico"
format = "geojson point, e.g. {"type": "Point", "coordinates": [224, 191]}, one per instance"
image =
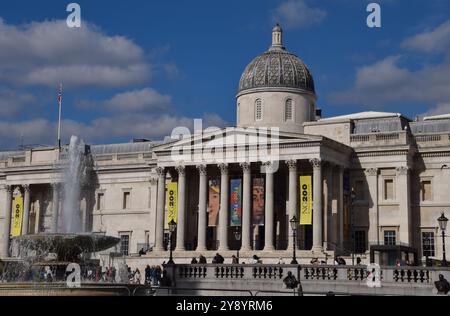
{"type": "Point", "coordinates": [192, 172]}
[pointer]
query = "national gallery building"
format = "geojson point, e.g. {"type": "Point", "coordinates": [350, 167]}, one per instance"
{"type": "Point", "coordinates": [371, 183]}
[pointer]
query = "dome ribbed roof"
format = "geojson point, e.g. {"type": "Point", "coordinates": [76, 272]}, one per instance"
{"type": "Point", "coordinates": [277, 68]}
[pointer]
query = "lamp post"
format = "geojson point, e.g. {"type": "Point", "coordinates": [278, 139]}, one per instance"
{"type": "Point", "coordinates": [237, 236]}
{"type": "Point", "coordinates": [443, 221]}
{"type": "Point", "coordinates": [172, 228]}
{"type": "Point", "coordinates": [294, 225]}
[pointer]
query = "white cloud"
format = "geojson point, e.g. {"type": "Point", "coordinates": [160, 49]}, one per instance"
{"type": "Point", "coordinates": [441, 108]}
{"type": "Point", "coordinates": [298, 14]}
{"type": "Point", "coordinates": [436, 40]}
{"type": "Point", "coordinates": [132, 101]}
{"type": "Point", "coordinates": [388, 80]}
{"type": "Point", "coordinates": [104, 129]}
{"type": "Point", "coordinates": [45, 53]}
{"type": "Point", "coordinates": [12, 102]}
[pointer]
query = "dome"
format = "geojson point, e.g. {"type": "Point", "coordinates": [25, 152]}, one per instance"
{"type": "Point", "coordinates": [277, 68]}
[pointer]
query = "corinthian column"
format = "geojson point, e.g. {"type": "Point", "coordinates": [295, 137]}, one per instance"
{"type": "Point", "coordinates": [292, 165]}
{"type": "Point", "coordinates": [159, 238]}
{"type": "Point", "coordinates": [372, 181]}
{"type": "Point", "coordinates": [403, 197]}
{"type": "Point", "coordinates": [4, 251]}
{"type": "Point", "coordinates": [246, 207]}
{"type": "Point", "coordinates": [223, 213]}
{"type": "Point", "coordinates": [269, 216]}
{"type": "Point", "coordinates": [202, 207]}
{"type": "Point", "coordinates": [26, 210]}
{"type": "Point", "coordinates": [317, 206]}
{"type": "Point", "coordinates": [181, 222]}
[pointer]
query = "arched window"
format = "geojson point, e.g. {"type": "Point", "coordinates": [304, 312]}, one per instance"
{"type": "Point", "coordinates": [288, 115]}
{"type": "Point", "coordinates": [258, 110]}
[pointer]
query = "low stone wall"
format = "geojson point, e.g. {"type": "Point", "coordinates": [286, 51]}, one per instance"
{"type": "Point", "coordinates": [268, 279]}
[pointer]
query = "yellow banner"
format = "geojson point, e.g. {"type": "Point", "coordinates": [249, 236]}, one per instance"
{"type": "Point", "coordinates": [172, 202]}
{"type": "Point", "coordinates": [17, 216]}
{"type": "Point", "coordinates": [305, 200]}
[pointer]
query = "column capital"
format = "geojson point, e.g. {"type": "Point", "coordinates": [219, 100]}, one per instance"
{"type": "Point", "coordinates": [246, 166]}
{"type": "Point", "coordinates": [316, 163]}
{"type": "Point", "coordinates": [26, 188]}
{"type": "Point", "coordinates": [292, 164]}
{"type": "Point", "coordinates": [202, 169]}
{"type": "Point", "coordinates": [161, 171]}
{"type": "Point", "coordinates": [8, 188]}
{"type": "Point", "coordinates": [371, 172]}
{"type": "Point", "coordinates": [402, 171]}
{"type": "Point", "coordinates": [153, 180]}
{"type": "Point", "coordinates": [181, 169]}
{"type": "Point", "coordinates": [268, 167]}
{"type": "Point", "coordinates": [55, 185]}
{"type": "Point", "coordinates": [223, 168]}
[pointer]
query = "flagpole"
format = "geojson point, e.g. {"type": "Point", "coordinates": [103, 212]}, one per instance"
{"type": "Point", "coordinates": [59, 116]}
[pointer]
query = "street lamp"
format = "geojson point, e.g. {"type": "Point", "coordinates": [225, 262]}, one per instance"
{"type": "Point", "coordinates": [237, 236]}
{"type": "Point", "coordinates": [443, 221]}
{"type": "Point", "coordinates": [172, 228]}
{"type": "Point", "coordinates": [294, 225]}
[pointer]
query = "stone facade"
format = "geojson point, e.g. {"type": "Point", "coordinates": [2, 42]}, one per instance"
{"type": "Point", "coordinates": [378, 179]}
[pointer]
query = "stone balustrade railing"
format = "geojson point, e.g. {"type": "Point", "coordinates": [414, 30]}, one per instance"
{"type": "Point", "coordinates": [317, 273]}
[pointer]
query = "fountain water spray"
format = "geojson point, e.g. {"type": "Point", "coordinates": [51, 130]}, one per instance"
{"type": "Point", "coordinates": [74, 176]}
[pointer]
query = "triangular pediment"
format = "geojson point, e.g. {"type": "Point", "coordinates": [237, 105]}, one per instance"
{"type": "Point", "coordinates": [233, 136]}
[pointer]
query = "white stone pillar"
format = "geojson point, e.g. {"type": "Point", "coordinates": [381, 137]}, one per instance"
{"type": "Point", "coordinates": [55, 207]}
{"type": "Point", "coordinates": [181, 221]}
{"type": "Point", "coordinates": [4, 251]}
{"type": "Point", "coordinates": [340, 201]}
{"type": "Point", "coordinates": [223, 213]}
{"type": "Point", "coordinates": [293, 205]}
{"type": "Point", "coordinates": [372, 181]}
{"type": "Point", "coordinates": [159, 230]}
{"type": "Point", "coordinates": [269, 216]}
{"type": "Point", "coordinates": [246, 207]}
{"type": "Point", "coordinates": [317, 206]}
{"type": "Point", "coordinates": [26, 210]}
{"type": "Point", "coordinates": [202, 207]}
{"type": "Point", "coordinates": [403, 196]}
{"type": "Point", "coordinates": [328, 196]}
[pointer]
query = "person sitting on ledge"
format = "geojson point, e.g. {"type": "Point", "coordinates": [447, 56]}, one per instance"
{"type": "Point", "coordinates": [256, 260]}
{"type": "Point", "coordinates": [194, 261]}
{"type": "Point", "coordinates": [142, 252]}
{"type": "Point", "coordinates": [218, 259]}
{"type": "Point", "coordinates": [234, 260]}
{"type": "Point", "coordinates": [202, 260]}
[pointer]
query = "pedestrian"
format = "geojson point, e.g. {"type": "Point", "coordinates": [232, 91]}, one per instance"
{"type": "Point", "coordinates": [194, 261]}
{"type": "Point", "coordinates": [202, 259]}
{"type": "Point", "coordinates": [280, 261]}
{"type": "Point", "coordinates": [137, 276]}
{"type": "Point", "coordinates": [234, 260]}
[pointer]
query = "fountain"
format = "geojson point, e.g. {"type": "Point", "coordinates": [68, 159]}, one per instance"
{"type": "Point", "coordinates": [37, 254]}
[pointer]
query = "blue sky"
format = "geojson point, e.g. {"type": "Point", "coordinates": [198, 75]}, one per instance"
{"type": "Point", "coordinates": [140, 68]}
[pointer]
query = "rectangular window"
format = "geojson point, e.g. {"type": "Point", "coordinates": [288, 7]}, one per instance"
{"type": "Point", "coordinates": [390, 238]}
{"type": "Point", "coordinates": [426, 191]}
{"type": "Point", "coordinates": [360, 241]}
{"type": "Point", "coordinates": [124, 244]}
{"type": "Point", "coordinates": [100, 201]}
{"type": "Point", "coordinates": [389, 189]}
{"type": "Point", "coordinates": [428, 244]}
{"type": "Point", "coordinates": [126, 200]}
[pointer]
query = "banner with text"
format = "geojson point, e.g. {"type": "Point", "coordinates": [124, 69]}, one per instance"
{"type": "Point", "coordinates": [236, 202]}
{"type": "Point", "coordinates": [17, 215]}
{"type": "Point", "coordinates": [305, 200]}
{"type": "Point", "coordinates": [172, 202]}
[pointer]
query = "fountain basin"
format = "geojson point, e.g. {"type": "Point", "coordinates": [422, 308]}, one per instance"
{"type": "Point", "coordinates": [67, 247]}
